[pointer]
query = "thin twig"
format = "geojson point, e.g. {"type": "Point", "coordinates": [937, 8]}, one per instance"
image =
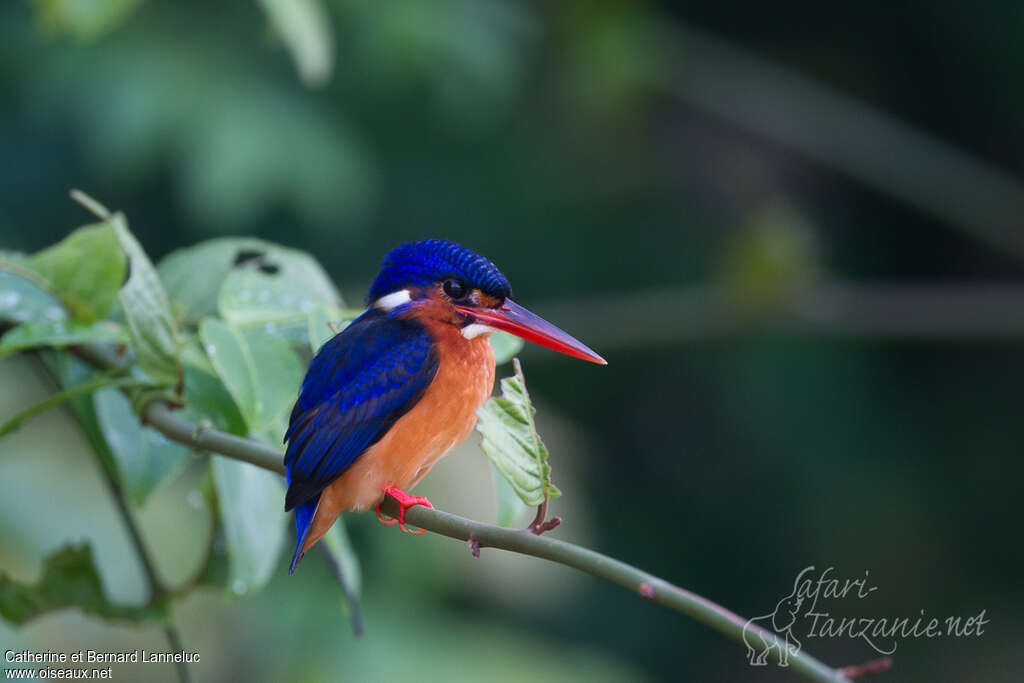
{"type": "Point", "coordinates": [157, 591]}
{"type": "Point", "coordinates": [541, 524]}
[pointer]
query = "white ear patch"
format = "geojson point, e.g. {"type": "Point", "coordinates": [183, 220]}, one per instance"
{"type": "Point", "coordinates": [476, 329]}
{"type": "Point", "coordinates": [393, 300]}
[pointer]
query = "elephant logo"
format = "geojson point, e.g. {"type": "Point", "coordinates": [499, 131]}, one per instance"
{"type": "Point", "coordinates": [774, 631]}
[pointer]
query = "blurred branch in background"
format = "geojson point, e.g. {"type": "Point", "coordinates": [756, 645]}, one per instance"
{"type": "Point", "coordinates": [849, 136]}
{"type": "Point", "coordinates": [967, 312]}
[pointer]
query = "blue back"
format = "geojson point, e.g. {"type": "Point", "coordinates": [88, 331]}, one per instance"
{"type": "Point", "coordinates": [428, 261]}
{"type": "Point", "coordinates": [358, 385]}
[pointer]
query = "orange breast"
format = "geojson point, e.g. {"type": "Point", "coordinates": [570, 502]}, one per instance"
{"type": "Point", "coordinates": [434, 426]}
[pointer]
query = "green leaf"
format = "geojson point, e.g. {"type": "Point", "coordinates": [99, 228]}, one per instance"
{"type": "Point", "coordinates": [512, 443]}
{"type": "Point", "coordinates": [226, 350]}
{"type": "Point", "coordinates": [249, 500]}
{"type": "Point", "coordinates": [70, 579]}
{"type": "Point", "coordinates": [145, 458]}
{"type": "Point", "coordinates": [320, 331]}
{"type": "Point", "coordinates": [505, 347]}
{"type": "Point", "coordinates": [306, 31]}
{"type": "Point", "coordinates": [345, 565]}
{"type": "Point", "coordinates": [261, 372]}
{"type": "Point", "coordinates": [323, 324]}
{"type": "Point", "coordinates": [195, 277]}
{"type": "Point", "coordinates": [216, 571]}
{"type": "Point", "coordinates": [69, 372]}
{"type": "Point", "coordinates": [148, 312]}
{"type": "Point", "coordinates": [278, 374]}
{"type": "Point", "coordinates": [84, 270]}
{"type": "Point", "coordinates": [206, 397]}
{"type": "Point", "coordinates": [511, 509]}
{"type": "Point", "coordinates": [24, 296]}
{"type": "Point", "coordinates": [86, 387]}
{"type": "Point", "coordinates": [59, 333]}
{"type": "Point", "coordinates": [83, 19]}
{"type": "Point", "coordinates": [281, 285]}
{"type": "Point", "coordinates": [294, 330]}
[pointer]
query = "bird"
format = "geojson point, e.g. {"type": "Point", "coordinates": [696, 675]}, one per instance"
{"type": "Point", "coordinates": [397, 389]}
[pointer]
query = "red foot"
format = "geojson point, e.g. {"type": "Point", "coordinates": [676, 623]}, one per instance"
{"type": "Point", "coordinates": [405, 501]}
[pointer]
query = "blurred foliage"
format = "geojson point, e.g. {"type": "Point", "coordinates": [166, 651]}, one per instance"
{"type": "Point", "coordinates": [69, 579]}
{"type": "Point", "coordinates": [233, 368]}
{"type": "Point", "coordinates": [542, 136]}
{"type": "Point", "coordinates": [771, 259]}
{"type": "Point", "coordinates": [86, 19]}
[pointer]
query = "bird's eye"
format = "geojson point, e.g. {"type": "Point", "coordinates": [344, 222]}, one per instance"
{"type": "Point", "coordinates": [455, 289]}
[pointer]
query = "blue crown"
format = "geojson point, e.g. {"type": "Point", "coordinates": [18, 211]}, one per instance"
{"type": "Point", "coordinates": [423, 263]}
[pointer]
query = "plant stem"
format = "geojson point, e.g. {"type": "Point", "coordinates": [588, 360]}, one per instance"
{"type": "Point", "coordinates": [156, 587]}
{"type": "Point", "coordinates": [157, 591]}
{"type": "Point", "coordinates": [647, 586]}
{"type": "Point", "coordinates": [159, 416]}
{"type": "Point", "coordinates": [67, 394]}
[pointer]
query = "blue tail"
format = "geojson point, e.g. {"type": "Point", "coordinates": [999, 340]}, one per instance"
{"type": "Point", "coordinates": [303, 518]}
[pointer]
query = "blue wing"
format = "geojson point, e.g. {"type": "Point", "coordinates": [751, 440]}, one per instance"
{"type": "Point", "coordinates": [358, 385]}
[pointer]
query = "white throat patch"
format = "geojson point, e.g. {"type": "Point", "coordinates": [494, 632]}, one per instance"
{"type": "Point", "coordinates": [474, 330]}
{"type": "Point", "coordinates": [393, 300]}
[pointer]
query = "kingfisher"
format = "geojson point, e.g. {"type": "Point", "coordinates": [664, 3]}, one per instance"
{"type": "Point", "coordinates": [399, 387]}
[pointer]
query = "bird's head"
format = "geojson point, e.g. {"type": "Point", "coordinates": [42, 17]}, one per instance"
{"type": "Point", "coordinates": [450, 284]}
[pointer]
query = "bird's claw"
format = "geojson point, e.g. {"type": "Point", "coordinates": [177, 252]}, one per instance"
{"type": "Point", "coordinates": [405, 501]}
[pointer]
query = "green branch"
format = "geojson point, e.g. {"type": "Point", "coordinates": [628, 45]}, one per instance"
{"type": "Point", "coordinates": [160, 416]}
{"type": "Point", "coordinates": [55, 399]}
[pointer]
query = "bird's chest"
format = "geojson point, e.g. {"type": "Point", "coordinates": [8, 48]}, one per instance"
{"type": "Point", "coordinates": [440, 420]}
{"type": "Point", "coordinates": [446, 414]}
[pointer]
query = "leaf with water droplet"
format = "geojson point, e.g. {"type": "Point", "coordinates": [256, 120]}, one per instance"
{"type": "Point", "coordinates": [84, 270]}
{"type": "Point", "coordinates": [24, 296]}
{"type": "Point", "coordinates": [261, 373]}
{"type": "Point", "coordinates": [252, 283]}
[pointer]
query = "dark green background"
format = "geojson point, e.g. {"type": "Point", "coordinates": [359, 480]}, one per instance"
{"type": "Point", "coordinates": [547, 136]}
